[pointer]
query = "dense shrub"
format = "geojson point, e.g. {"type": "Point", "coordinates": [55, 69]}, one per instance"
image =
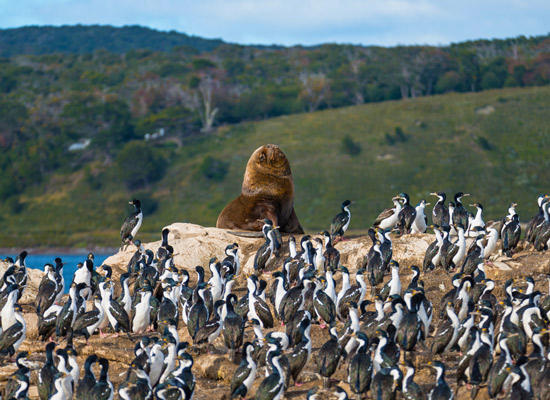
{"type": "Point", "coordinates": [138, 165]}
{"type": "Point", "coordinates": [350, 146]}
{"type": "Point", "coordinates": [214, 169]}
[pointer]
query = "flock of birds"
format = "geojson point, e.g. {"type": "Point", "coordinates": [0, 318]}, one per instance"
{"type": "Point", "coordinates": [377, 348]}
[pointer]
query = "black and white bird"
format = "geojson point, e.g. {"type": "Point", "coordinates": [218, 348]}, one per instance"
{"type": "Point", "coordinates": [67, 316]}
{"type": "Point", "coordinates": [88, 322]}
{"type": "Point", "coordinates": [511, 212]}
{"type": "Point", "coordinates": [212, 329]}
{"type": "Point", "coordinates": [46, 375]}
{"type": "Point", "coordinates": [141, 312]}
{"type": "Point", "coordinates": [198, 313]}
{"type": "Point", "coordinates": [387, 219]}
{"type": "Point", "coordinates": [460, 214]}
{"type": "Point", "coordinates": [258, 308]}
{"type": "Point", "coordinates": [47, 291]}
{"type": "Point", "coordinates": [386, 382]}
{"type": "Point", "coordinates": [446, 335]}
{"type": "Point", "coordinates": [420, 223]}
{"type": "Point", "coordinates": [244, 376]}
{"type": "Point", "coordinates": [407, 215]}
{"type": "Point", "coordinates": [441, 390]}
{"type": "Point", "coordinates": [264, 253]}
{"type": "Point", "coordinates": [536, 220]}
{"type": "Point", "coordinates": [360, 370]}
{"type": "Point", "coordinates": [18, 382]}
{"type": "Point", "coordinates": [440, 212]}
{"type": "Point", "coordinates": [510, 234]}
{"type": "Point", "coordinates": [410, 389]}
{"type": "Point", "coordinates": [131, 224]}
{"type": "Point", "coordinates": [542, 234]}
{"type": "Point", "coordinates": [329, 356]}
{"type": "Point", "coordinates": [83, 275]}
{"type": "Point", "coordinates": [88, 381]}
{"type": "Point", "coordinates": [233, 328]}
{"type": "Point", "coordinates": [340, 222]}
{"type": "Point", "coordinates": [301, 352]}
{"type": "Point", "coordinates": [117, 316]}
{"type": "Point", "coordinates": [477, 225]}
{"type": "Point", "coordinates": [12, 337]}
{"type": "Point", "coordinates": [331, 254]}
{"type": "Point", "coordinates": [272, 387]}
{"type": "Point", "coordinates": [103, 389]}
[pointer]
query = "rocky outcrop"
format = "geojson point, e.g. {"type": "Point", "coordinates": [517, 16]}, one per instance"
{"type": "Point", "coordinates": [193, 245]}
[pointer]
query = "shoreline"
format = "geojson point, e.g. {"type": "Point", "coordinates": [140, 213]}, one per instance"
{"type": "Point", "coordinates": [60, 250]}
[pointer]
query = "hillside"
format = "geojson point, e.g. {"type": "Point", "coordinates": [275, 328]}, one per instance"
{"type": "Point", "coordinates": [81, 39]}
{"type": "Point", "coordinates": [491, 144]}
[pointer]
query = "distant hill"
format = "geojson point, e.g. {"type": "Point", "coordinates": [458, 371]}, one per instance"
{"type": "Point", "coordinates": [81, 39]}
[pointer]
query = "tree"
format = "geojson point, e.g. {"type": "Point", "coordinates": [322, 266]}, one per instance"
{"type": "Point", "coordinates": [12, 118]}
{"type": "Point", "coordinates": [315, 89]}
{"type": "Point", "coordinates": [469, 68]}
{"type": "Point", "coordinates": [449, 82]}
{"type": "Point", "coordinates": [203, 102]}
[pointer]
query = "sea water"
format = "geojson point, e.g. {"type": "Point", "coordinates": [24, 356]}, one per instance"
{"type": "Point", "coordinates": [37, 261]}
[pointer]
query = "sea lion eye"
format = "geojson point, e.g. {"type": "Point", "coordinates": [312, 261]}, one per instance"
{"type": "Point", "coordinates": [262, 157]}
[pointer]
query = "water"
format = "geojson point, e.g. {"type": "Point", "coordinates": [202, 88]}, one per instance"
{"type": "Point", "coordinates": [37, 261]}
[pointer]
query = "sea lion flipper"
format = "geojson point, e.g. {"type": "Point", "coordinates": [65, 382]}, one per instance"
{"type": "Point", "coordinates": [292, 225]}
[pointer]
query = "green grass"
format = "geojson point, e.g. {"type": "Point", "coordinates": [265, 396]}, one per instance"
{"type": "Point", "coordinates": [497, 158]}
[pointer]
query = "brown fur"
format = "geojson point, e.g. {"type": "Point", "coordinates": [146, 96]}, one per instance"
{"type": "Point", "coordinates": [267, 192]}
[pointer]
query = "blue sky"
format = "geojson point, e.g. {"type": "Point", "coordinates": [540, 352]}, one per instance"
{"type": "Point", "coordinates": [307, 22]}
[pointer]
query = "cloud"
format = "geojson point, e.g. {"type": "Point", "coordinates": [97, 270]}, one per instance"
{"type": "Point", "coordinates": [289, 22]}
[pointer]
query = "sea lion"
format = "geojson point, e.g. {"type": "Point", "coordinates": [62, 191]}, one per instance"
{"type": "Point", "coordinates": [267, 192]}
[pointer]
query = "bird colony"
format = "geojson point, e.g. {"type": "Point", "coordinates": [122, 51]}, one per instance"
{"type": "Point", "coordinates": [374, 328]}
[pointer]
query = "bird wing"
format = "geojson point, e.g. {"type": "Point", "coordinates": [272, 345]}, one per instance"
{"type": "Point", "coordinates": [46, 296]}
{"type": "Point", "coordinates": [10, 336]}
{"type": "Point", "coordinates": [451, 253]}
{"type": "Point", "coordinates": [263, 311]}
{"type": "Point", "coordinates": [338, 223]}
{"type": "Point", "coordinates": [239, 377]}
{"type": "Point", "coordinates": [204, 332]}
{"type": "Point", "coordinates": [101, 391]}
{"type": "Point", "coordinates": [128, 224]}
{"type": "Point", "coordinates": [120, 315]}
{"type": "Point", "coordinates": [388, 212]}
{"type": "Point", "coordinates": [85, 320]}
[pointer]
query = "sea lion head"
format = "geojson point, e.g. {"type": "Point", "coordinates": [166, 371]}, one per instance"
{"type": "Point", "coordinates": [269, 160]}
{"type": "Point", "coordinates": [268, 173]}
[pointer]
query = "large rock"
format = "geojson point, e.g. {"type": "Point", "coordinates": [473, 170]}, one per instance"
{"type": "Point", "coordinates": [196, 245]}
{"type": "Point", "coordinates": [193, 245]}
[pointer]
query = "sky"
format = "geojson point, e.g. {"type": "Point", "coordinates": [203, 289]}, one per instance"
{"type": "Point", "coordinates": [305, 22]}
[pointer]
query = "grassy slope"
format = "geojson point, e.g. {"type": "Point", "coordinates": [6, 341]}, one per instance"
{"type": "Point", "coordinates": [443, 152]}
